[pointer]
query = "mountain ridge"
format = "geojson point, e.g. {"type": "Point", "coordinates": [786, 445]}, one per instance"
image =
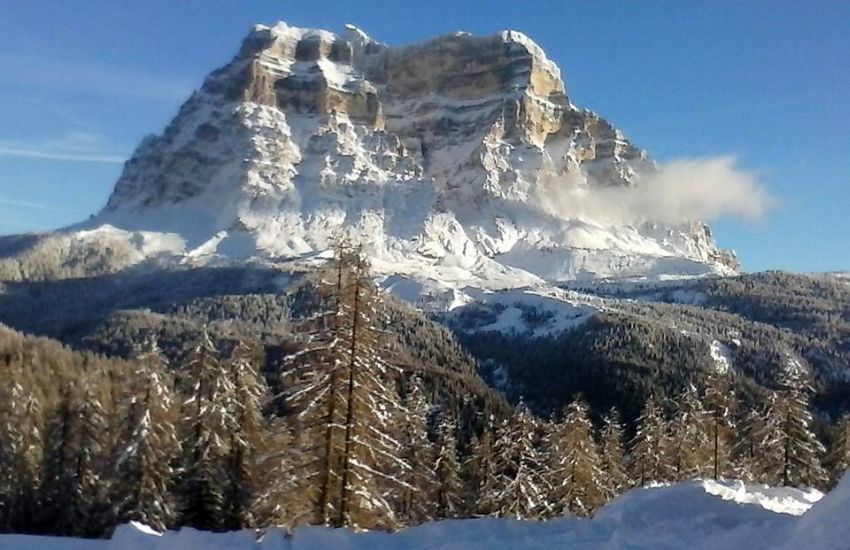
{"type": "Point", "coordinates": [439, 156]}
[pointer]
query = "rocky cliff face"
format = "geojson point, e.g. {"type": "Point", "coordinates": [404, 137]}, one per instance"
{"type": "Point", "coordinates": [441, 157]}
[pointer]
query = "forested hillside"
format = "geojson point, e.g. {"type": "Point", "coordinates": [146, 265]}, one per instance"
{"type": "Point", "coordinates": [330, 403]}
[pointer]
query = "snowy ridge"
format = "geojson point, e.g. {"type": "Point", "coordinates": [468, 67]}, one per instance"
{"type": "Point", "coordinates": [696, 515]}
{"type": "Point", "coordinates": [442, 172]}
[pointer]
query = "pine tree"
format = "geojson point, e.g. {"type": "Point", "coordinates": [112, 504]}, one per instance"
{"type": "Point", "coordinates": [720, 405]}
{"type": "Point", "coordinates": [449, 490]}
{"type": "Point", "coordinates": [791, 450]}
{"type": "Point", "coordinates": [839, 456]}
{"type": "Point", "coordinates": [650, 460]}
{"type": "Point", "coordinates": [612, 456]}
{"type": "Point", "coordinates": [417, 497]}
{"type": "Point", "coordinates": [207, 423]}
{"type": "Point", "coordinates": [689, 446]}
{"type": "Point", "coordinates": [516, 489]}
{"type": "Point", "coordinates": [146, 455]}
{"type": "Point", "coordinates": [575, 470]}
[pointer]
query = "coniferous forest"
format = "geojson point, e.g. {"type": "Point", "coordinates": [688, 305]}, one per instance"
{"type": "Point", "coordinates": [349, 431]}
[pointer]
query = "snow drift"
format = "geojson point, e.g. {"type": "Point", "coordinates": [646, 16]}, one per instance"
{"type": "Point", "coordinates": [694, 515]}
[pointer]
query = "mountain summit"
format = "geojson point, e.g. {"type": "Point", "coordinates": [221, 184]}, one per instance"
{"type": "Point", "coordinates": [447, 159]}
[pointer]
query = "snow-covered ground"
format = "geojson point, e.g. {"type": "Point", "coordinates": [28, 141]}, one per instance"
{"type": "Point", "coordinates": [694, 515]}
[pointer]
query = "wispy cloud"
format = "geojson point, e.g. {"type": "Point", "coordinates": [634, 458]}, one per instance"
{"type": "Point", "coordinates": [90, 78]}
{"type": "Point", "coordinates": [72, 147]}
{"type": "Point", "coordinates": [55, 155]}
{"type": "Point", "coordinates": [12, 203]}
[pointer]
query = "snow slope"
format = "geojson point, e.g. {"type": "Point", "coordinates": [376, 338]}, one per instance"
{"type": "Point", "coordinates": [695, 515]}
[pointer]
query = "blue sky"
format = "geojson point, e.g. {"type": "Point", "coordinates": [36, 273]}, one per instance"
{"type": "Point", "coordinates": [768, 82]}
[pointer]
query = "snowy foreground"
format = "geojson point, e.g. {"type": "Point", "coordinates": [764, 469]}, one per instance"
{"type": "Point", "coordinates": [693, 515]}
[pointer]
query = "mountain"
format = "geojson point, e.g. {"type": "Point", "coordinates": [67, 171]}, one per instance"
{"type": "Point", "coordinates": [448, 159]}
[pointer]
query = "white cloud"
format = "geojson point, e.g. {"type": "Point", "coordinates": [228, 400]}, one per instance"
{"type": "Point", "coordinates": [678, 191]}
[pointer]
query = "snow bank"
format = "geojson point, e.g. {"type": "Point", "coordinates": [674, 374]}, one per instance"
{"type": "Point", "coordinates": [694, 515]}
{"type": "Point", "coordinates": [782, 500]}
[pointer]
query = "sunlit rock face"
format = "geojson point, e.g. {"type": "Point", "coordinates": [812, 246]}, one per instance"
{"type": "Point", "coordinates": [443, 158]}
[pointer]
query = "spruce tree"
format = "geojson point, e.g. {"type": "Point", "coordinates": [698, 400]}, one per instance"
{"type": "Point", "coordinates": [612, 456]}
{"type": "Point", "coordinates": [575, 469]}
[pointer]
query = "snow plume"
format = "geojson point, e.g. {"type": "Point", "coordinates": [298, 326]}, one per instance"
{"type": "Point", "coordinates": [678, 191]}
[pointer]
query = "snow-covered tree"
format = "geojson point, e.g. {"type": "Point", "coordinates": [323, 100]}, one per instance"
{"type": "Point", "coordinates": [90, 459]}
{"type": "Point", "coordinates": [688, 445]}
{"type": "Point", "coordinates": [791, 452]}
{"type": "Point", "coordinates": [575, 472]}
{"type": "Point", "coordinates": [247, 436]}
{"type": "Point", "coordinates": [315, 381]}
{"type": "Point", "coordinates": [839, 455]}
{"type": "Point", "coordinates": [282, 499]}
{"type": "Point", "coordinates": [372, 470]}
{"type": "Point", "coordinates": [449, 487]}
{"type": "Point", "coordinates": [612, 456]}
{"type": "Point", "coordinates": [21, 447]}
{"type": "Point", "coordinates": [74, 484]}
{"type": "Point", "coordinates": [345, 398]}
{"type": "Point", "coordinates": [720, 409]}
{"type": "Point", "coordinates": [416, 505]}
{"type": "Point", "coordinates": [146, 455]}
{"type": "Point", "coordinates": [477, 470]}
{"type": "Point", "coordinates": [516, 488]}
{"type": "Point", "coordinates": [749, 449]}
{"type": "Point", "coordinates": [207, 425]}
{"type": "Point", "coordinates": [650, 460]}
{"type": "Point", "coordinates": [57, 489]}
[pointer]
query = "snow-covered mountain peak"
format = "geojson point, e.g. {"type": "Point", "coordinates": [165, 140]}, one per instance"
{"type": "Point", "coordinates": [445, 158]}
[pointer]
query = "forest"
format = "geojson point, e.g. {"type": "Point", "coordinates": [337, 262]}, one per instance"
{"type": "Point", "coordinates": [348, 430]}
